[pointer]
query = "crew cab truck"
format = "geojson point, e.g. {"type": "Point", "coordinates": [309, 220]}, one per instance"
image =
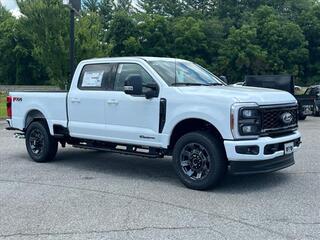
{"type": "Point", "coordinates": [156, 107]}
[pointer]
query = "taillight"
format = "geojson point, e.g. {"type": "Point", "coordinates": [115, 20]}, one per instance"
{"type": "Point", "coordinates": [9, 107]}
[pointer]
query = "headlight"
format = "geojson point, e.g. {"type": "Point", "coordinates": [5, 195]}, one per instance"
{"type": "Point", "coordinates": [245, 120]}
{"type": "Point", "coordinates": [249, 113]}
{"type": "Point", "coordinates": [249, 121]}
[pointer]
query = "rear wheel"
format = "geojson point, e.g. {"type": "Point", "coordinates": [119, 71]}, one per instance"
{"type": "Point", "coordinates": [41, 146]}
{"type": "Point", "coordinates": [199, 160]}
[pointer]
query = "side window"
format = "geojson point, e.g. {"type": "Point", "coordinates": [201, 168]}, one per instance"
{"type": "Point", "coordinates": [126, 70]}
{"type": "Point", "coordinates": [95, 77]}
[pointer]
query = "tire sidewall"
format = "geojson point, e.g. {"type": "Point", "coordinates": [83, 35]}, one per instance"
{"type": "Point", "coordinates": [217, 160]}
{"type": "Point", "coordinates": [43, 156]}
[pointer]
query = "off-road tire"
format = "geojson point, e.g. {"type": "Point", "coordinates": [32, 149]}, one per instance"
{"type": "Point", "coordinates": [41, 146]}
{"type": "Point", "coordinates": [215, 152]}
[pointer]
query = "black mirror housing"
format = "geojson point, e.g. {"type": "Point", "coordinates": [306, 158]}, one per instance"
{"type": "Point", "coordinates": [153, 92]}
{"type": "Point", "coordinates": [133, 85]}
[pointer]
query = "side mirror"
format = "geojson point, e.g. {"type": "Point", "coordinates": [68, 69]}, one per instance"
{"type": "Point", "coordinates": [133, 85]}
{"type": "Point", "coordinates": [224, 79]}
{"type": "Point", "coordinates": [152, 92]}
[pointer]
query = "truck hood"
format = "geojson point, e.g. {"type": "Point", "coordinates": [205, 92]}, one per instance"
{"type": "Point", "coordinates": [261, 96]}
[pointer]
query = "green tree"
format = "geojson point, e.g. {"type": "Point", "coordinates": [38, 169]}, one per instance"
{"type": "Point", "coordinates": [283, 40]}
{"type": "Point", "coordinates": [155, 35]}
{"type": "Point", "coordinates": [45, 25]}
{"type": "Point", "coordinates": [7, 44]}
{"type": "Point", "coordinates": [88, 31]}
{"type": "Point", "coordinates": [122, 34]}
{"type": "Point", "coordinates": [91, 5]}
{"type": "Point", "coordinates": [151, 6]}
{"type": "Point", "coordinates": [124, 5]}
{"type": "Point", "coordinates": [205, 7]}
{"type": "Point", "coordinates": [241, 54]}
{"type": "Point", "coordinates": [106, 8]}
{"type": "Point", "coordinates": [309, 21]}
{"type": "Point", "coordinates": [172, 8]}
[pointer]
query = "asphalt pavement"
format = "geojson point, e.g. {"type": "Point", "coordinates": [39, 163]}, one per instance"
{"type": "Point", "coordinates": [93, 195]}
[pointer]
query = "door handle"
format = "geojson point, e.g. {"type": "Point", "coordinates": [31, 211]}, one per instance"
{"type": "Point", "coordinates": [75, 100]}
{"type": "Point", "coordinates": [113, 102]}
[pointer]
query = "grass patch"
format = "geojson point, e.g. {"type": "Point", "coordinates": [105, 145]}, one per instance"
{"type": "Point", "coordinates": [3, 106]}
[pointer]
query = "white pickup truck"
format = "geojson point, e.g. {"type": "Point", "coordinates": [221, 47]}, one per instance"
{"type": "Point", "coordinates": [158, 107]}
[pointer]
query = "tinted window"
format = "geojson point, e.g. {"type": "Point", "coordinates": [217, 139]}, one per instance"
{"type": "Point", "coordinates": [127, 70]}
{"type": "Point", "coordinates": [176, 72]}
{"type": "Point", "coordinates": [95, 77]}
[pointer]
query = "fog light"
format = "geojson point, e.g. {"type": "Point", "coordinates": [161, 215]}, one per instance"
{"type": "Point", "coordinates": [248, 150]}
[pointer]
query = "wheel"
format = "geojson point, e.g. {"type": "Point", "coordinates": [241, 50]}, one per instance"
{"type": "Point", "coordinates": [41, 146]}
{"type": "Point", "coordinates": [199, 160]}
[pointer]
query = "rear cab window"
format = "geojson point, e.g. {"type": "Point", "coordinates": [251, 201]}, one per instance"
{"type": "Point", "coordinates": [96, 77]}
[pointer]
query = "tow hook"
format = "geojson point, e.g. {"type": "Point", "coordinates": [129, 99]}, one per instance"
{"type": "Point", "coordinates": [20, 135]}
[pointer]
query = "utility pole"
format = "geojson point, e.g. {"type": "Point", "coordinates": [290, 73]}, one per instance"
{"type": "Point", "coordinates": [75, 7]}
{"type": "Point", "coordinates": [72, 48]}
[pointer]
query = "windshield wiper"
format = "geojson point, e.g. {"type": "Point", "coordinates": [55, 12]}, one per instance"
{"type": "Point", "coordinates": [197, 84]}
{"type": "Point", "coordinates": [188, 84]}
{"type": "Point", "coordinates": [214, 84]}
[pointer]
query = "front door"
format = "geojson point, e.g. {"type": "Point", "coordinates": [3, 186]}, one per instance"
{"type": "Point", "coordinates": [132, 119]}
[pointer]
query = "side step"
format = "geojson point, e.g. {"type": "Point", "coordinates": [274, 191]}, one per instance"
{"type": "Point", "coordinates": [127, 150]}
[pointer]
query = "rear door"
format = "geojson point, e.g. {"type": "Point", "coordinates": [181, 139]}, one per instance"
{"type": "Point", "coordinates": [132, 119]}
{"type": "Point", "coordinates": [87, 102]}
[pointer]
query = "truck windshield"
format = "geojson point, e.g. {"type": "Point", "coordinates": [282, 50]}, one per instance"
{"type": "Point", "coordinates": [178, 73]}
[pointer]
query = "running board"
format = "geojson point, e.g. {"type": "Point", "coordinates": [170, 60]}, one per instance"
{"type": "Point", "coordinates": [127, 150]}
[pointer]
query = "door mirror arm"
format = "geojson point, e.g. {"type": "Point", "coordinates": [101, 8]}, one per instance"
{"type": "Point", "coordinates": [153, 92]}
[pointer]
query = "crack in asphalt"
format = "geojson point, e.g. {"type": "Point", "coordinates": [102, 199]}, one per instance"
{"type": "Point", "coordinates": [113, 231]}
{"type": "Point", "coordinates": [291, 222]}
{"type": "Point", "coordinates": [211, 214]}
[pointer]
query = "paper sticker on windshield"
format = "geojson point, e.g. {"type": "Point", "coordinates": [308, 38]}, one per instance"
{"type": "Point", "coordinates": [92, 79]}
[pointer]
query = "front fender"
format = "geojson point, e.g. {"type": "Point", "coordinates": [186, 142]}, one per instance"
{"type": "Point", "coordinates": [220, 119]}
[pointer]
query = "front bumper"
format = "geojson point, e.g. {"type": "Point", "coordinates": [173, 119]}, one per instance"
{"type": "Point", "coordinates": [262, 142]}
{"type": "Point", "coordinates": [255, 167]}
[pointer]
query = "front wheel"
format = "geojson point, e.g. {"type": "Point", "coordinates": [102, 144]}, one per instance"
{"type": "Point", "coordinates": [41, 146]}
{"type": "Point", "coordinates": [199, 160]}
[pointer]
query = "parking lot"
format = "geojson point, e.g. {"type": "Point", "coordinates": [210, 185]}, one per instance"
{"type": "Point", "coordinates": [94, 195]}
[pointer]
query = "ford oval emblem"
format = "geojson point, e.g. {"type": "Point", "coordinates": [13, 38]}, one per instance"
{"type": "Point", "coordinates": [286, 118]}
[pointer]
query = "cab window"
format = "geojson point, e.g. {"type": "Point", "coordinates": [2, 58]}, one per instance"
{"type": "Point", "coordinates": [95, 77]}
{"type": "Point", "coordinates": [126, 70]}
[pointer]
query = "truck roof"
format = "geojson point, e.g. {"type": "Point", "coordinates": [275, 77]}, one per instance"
{"type": "Point", "coordinates": [134, 58]}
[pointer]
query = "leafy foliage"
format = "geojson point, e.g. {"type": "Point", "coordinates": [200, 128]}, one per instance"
{"type": "Point", "coordinates": [230, 37]}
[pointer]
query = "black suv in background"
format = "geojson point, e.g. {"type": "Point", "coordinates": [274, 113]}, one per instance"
{"type": "Point", "coordinates": [314, 91]}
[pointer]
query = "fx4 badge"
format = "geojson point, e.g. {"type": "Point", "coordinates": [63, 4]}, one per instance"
{"type": "Point", "coordinates": [17, 99]}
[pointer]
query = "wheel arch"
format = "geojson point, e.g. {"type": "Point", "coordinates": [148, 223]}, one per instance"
{"type": "Point", "coordinates": [192, 124]}
{"type": "Point", "coordinates": [34, 115]}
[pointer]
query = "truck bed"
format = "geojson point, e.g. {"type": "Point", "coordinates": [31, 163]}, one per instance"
{"type": "Point", "coordinates": [51, 104]}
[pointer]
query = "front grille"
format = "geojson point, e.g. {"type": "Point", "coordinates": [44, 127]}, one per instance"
{"type": "Point", "coordinates": [272, 119]}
